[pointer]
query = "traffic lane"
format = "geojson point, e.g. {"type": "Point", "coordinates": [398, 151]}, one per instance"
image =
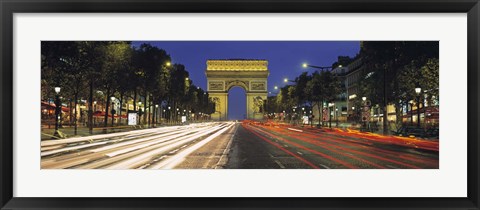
{"type": "Point", "coordinates": [212, 155]}
{"type": "Point", "coordinates": [405, 156]}
{"type": "Point", "coordinates": [367, 137]}
{"type": "Point", "coordinates": [120, 150]}
{"type": "Point", "coordinates": [361, 155]}
{"type": "Point", "coordinates": [387, 158]}
{"type": "Point", "coordinates": [92, 157]}
{"type": "Point", "coordinates": [252, 151]}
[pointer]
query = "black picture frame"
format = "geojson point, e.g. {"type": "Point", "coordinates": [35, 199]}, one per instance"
{"type": "Point", "coordinates": [10, 7]}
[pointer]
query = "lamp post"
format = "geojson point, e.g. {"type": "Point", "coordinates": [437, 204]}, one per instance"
{"type": "Point", "coordinates": [330, 106]}
{"type": "Point", "coordinates": [156, 115]}
{"type": "Point", "coordinates": [169, 114]}
{"type": "Point", "coordinates": [58, 110]}
{"type": "Point", "coordinates": [112, 110]}
{"type": "Point", "coordinates": [353, 113]}
{"type": "Point", "coordinates": [286, 80]}
{"type": "Point", "coordinates": [336, 117]}
{"type": "Point", "coordinates": [94, 110]}
{"type": "Point", "coordinates": [364, 121]}
{"type": "Point", "coordinates": [140, 112]}
{"type": "Point", "coordinates": [176, 115]}
{"type": "Point", "coordinates": [294, 115]}
{"type": "Point", "coordinates": [417, 91]}
{"type": "Point", "coordinates": [306, 65]}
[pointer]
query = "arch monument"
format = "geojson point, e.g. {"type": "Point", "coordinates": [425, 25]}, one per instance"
{"type": "Point", "coordinates": [251, 75]}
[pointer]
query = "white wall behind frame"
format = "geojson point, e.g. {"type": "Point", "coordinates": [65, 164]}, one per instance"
{"type": "Point", "coordinates": [448, 181]}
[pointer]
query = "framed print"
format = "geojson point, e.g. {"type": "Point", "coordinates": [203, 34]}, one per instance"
{"type": "Point", "coordinates": [239, 105]}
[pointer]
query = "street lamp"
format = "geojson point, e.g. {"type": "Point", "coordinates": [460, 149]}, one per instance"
{"type": "Point", "coordinates": [285, 80]}
{"type": "Point", "coordinates": [94, 110]}
{"type": "Point", "coordinates": [417, 91]}
{"type": "Point", "coordinates": [168, 64]}
{"type": "Point", "coordinates": [364, 98]}
{"type": "Point", "coordinates": [353, 113]}
{"type": "Point", "coordinates": [336, 116]}
{"type": "Point", "coordinates": [58, 110]}
{"type": "Point", "coordinates": [169, 114]}
{"type": "Point", "coordinates": [112, 110]}
{"type": "Point", "coordinates": [305, 65]}
{"type": "Point", "coordinates": [276, 87]}
{"type": "Point", "coordinates": [156, 115]}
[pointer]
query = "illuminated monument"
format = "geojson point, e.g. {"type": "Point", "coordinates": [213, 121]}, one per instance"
{"type": "Point", "coordinates": [251, 75]}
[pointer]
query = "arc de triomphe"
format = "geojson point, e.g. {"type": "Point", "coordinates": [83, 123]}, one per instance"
{"type": "Point", "coordinates": [251, 75]}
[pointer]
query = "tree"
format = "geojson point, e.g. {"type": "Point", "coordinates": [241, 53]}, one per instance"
{"type": "Point", "coordinates": [300, 85]}
{"type": "Point", "coordinates": [150, 64]}
{"type": "Point", "coordinates": [315, 92]}
{"type": "Point", "coordinates": [116, 60]}
{"type": "Point", "coordinates": [383, 62]}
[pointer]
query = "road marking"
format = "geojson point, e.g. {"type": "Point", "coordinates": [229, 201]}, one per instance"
{"type": "Point", "coordinates": [325, 166]}
{"type": "Point", "coordinates": [171, 152]}
{"type": "Point", "coordinates": [293, 129]}
{"type": "Point", "coordinates": [280, 147]}
{"type": "Point", "coordinates": [226, 150]}
{"type": "Point", "coordinates": [180, 157]}
{"type": "Point", "coordinates": [279, 164]}
{"type": "Point", "coordinates": [390, 166]}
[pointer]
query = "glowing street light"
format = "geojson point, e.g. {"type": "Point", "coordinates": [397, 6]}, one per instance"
{"type": "Point", "coordinates": [364, 98]}
{"type": "Point", "coordinates": [168, 63]}
{"type": "Point", "coordinates": [276, 87]}
{"type": "Point", "coordinates": [418, 90]}
{"type": "Point", "coordinates": [305, 65]}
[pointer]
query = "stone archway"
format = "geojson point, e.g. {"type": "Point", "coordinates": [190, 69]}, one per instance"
{"type": "Point", "coordinates": [251, 75]}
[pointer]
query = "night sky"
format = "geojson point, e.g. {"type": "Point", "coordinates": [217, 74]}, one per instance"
{"type": "Point", "coordinates": [285, 60]}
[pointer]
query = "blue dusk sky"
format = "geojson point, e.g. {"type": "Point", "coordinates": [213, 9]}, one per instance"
{"type": "Point", "coordinates": [284, 58]}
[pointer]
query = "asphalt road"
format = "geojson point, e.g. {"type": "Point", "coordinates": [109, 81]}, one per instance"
{"type": "Point", "coordinates": [257, 146]}
{"type": "Point", "coordinates": [156, 148]}
{"type": "Point", "coordinates": [246, 145]}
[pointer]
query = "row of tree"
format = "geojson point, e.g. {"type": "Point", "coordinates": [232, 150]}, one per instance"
{"type": "Point", "coordinates": [391, 71]}
{"type": "Point", "coordinates": [314, 90]}
{"type": "Point", "coordinates": [394, 69]}
{"type": "Point", "coordinates": [100, 70]}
